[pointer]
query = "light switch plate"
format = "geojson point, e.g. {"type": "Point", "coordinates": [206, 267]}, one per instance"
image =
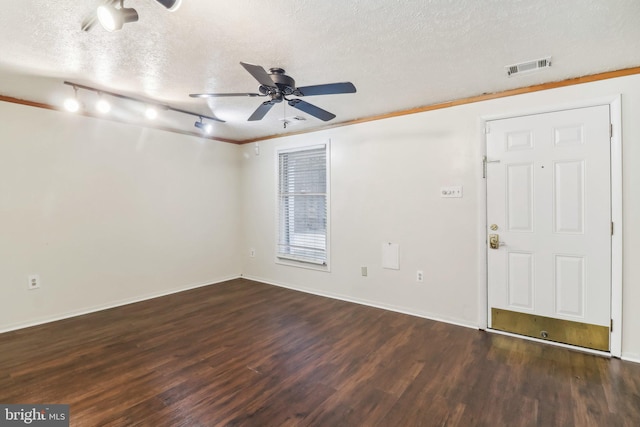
{"type": "Point", "coordinates": [455, 191]}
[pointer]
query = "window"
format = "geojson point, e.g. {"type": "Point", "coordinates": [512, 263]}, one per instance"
{"type": "Point", "coordinates": [302, 204]}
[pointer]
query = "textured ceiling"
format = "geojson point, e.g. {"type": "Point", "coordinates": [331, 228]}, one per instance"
{"type": "Point", "coordinates": [400, 54]}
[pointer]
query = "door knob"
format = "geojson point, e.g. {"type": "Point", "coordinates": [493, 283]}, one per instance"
{"type": "Point", "coordinates": [494, 241]}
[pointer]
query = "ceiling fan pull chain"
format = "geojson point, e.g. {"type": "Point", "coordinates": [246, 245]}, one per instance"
{"type": "Point", "coordinates": [284, 114]}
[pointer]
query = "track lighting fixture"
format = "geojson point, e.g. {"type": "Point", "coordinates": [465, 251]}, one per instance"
{"type": "Point", "coordinates": [112, 18]}
{"type": "Point", "coordinates": [71, 104]}
{"type": "Point", "coordinates": [171, 5]}
{"type": "Point", "coordinates": [206, 127]}
{"type": "Point", "coordinates": [151, 111]}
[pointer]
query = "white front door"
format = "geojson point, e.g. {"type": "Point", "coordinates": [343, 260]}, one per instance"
{"type": "Point", "coordinates": [549, 222]}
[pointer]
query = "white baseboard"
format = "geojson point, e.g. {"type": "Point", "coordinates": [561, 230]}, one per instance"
{"type": "Point", "coordinates": [364, 302]}
{"type": "Point", "coordinates": [634, 358]}
{"type": "Point", "coordinates": [119, 303]}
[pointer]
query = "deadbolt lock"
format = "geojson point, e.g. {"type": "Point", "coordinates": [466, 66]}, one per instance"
{"type": "Point", "coordinates": [493, 227]}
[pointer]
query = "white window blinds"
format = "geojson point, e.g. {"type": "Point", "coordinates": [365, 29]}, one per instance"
{"type": "Point", "coordinates": [302, 199]}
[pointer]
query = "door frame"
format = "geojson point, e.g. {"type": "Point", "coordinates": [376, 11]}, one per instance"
{"type": "Point", "coordinates": [615, 109]}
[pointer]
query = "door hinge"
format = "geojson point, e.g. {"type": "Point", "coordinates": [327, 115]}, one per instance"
{"type": "Point", "coordinates": [612, 228]}
{"type": "Point", "coordinates": [610, 130]}
{"type": "Point", "coordinates": [611, 328]}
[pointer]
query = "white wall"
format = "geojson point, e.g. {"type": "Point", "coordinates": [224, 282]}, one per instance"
{"type": "Point", "coordinates": [385, 185]}
{"type": "Point", "coordinates": [108, 213]}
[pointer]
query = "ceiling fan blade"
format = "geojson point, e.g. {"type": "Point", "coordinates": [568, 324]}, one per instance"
{"type": "Point", "coordinates": [312, 109]}
{"type": "Point", "coordinates": [261, 111]}
{"type": "Point", "coordinates": [327, 89]}
{"type": "Point", "coordinates": [259, 74]}
{"type": "Point", "coordinates": [218, 95]}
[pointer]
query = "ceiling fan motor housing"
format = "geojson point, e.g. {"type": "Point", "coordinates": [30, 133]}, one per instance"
{"type": "Point", "coordinates": [286, 84]}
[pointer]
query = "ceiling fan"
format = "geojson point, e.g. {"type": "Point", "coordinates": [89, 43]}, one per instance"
{"type": "Point", "coordinates": [277, 86]}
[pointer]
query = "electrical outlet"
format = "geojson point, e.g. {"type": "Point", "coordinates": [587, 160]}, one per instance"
{"type": "Point", "coordinates": [252, 253]}
{"type": "Point", "coordinates": [34, 281]}
{"type": "Point", "coordinates": [419, 276]}
{"type": "Point", "coordinates": [363, 270]}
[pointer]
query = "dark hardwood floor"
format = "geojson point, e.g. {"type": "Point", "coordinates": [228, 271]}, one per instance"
{"type": "Point", "coordinates": [248, 354]}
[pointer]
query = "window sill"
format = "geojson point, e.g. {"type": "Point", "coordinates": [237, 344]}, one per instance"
{"type": "Point", "coordinates": [292, 262]}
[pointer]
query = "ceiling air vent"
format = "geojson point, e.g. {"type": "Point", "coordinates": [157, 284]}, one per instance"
{"type": "Point", "coordinates": [528, 67]}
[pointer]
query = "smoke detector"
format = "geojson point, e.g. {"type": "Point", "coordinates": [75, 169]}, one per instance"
{"type": "Point", "coordinates": [528, 66]}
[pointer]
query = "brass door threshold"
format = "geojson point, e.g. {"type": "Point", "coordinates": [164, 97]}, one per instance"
{"type": "Point", "coordinates": [547, 328]}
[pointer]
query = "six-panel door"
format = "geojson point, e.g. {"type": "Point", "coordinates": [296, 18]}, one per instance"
{"type": "Point", "coordinates": [548, 200]}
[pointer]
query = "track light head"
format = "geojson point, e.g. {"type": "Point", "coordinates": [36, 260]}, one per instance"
{"type": "Point", "coordinates": [72, 104]}
{"type": "Point", "coordinates": [112, 18]}
{"type": "Point", "coordinates": [151, 113]}
{"type": "Point", "coordinates": [103, 106]}
{"type": "Point", "coordinates": [171, 5]}
{"type": "Point", "coordinates": [206, 127]}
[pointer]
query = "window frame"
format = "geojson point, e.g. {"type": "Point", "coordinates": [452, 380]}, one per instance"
{"type": "Point", "coordinates": [292, 261]}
